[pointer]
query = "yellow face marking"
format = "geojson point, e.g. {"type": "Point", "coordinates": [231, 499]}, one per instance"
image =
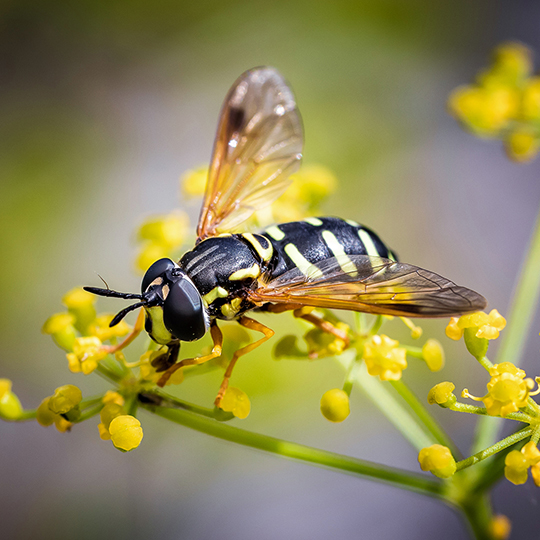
{"type": "Point", "coordinates": [230, 310]}
{"type": "Point", "coordinates": [165, 291]}
{"type": "Point", "coordinates": [339, 253]}
{"type": "Point", "coordinates": [216, 292]}
{"type": "Point", "coordinates": [245, 273]}
{"type": "Point", "coordinates": [371, 250]}
{"type": "Point", "coordinates": [301, 262]}
{"type": "Point", "coordinates": [276, 233]}
{"type": "Point", "coordinates": [264, 253]}
{"type": "Point", "coordinates": [316, 222]}
{"type": "Point", "coordinates": [159, 332]}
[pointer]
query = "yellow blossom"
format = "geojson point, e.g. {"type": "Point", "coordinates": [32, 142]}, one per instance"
{"type": "Point", "coordinates": [512, 62]}
{"type": "Point", "coordinates": [46, 417]}
{"type": "Point", "coordinates": [61, 327]}
{"type": "Point", "coordinates": [193, 182]}
{"type": "Point", "coordinates": [517, 463]}
{"type": "Point", "coordinates": [442, 394]}
{"type": "Point", "coordinates": [508, 390]}
{"type": "Point", "coordinates": [101, 329]}
{"type": "Point", "coordinates": [335, 405]}
{"type": "Point", "coordinates": [87, 353]}
{"type": "Point", "coordinates": [81, 305]}
{"type": "Point", "coordinates": [126, 432]}
{"type": "Point", "coordinates": [438, 460]}
{"type": "Point", "coordinates": [384, 358]}
{"type": "Point", "coordinates": [488, 326]}
{"type": "Point", "coordinates": [65, 398]}
{"type": "Point", "coordinates": [237, 402]}
{"type": "Point", "coordinates": [433, 354]}
{"type": "Point", "coordinates": [170, 230]}
{"type": "Point", "coordinates": [416, 331]}
{"type": "Point", "coordinates": [150, 253]}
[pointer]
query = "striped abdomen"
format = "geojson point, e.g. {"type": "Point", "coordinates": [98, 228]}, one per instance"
{"type": "Point", "coordinates": [300, 243]}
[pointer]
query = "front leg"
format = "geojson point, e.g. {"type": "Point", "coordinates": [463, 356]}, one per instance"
{"type": "Point", "coordinates": [217, 338]}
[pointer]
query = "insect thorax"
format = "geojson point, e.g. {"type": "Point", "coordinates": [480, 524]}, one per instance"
{"type": "Point", "coordinates": [224, 268]}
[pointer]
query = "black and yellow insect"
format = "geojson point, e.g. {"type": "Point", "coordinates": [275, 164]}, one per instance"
{"type": "Point", "coordinates": [320, 262]}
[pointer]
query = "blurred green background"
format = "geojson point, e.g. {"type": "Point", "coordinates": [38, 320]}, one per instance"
{"type": "Point", "coordinates": [103, 106]}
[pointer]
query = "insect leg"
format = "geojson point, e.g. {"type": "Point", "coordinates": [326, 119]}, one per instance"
{"type": "Point", "coordinates": [111, 349]}
{"type": "Point", "coordinates": [251, 324]}
{"type": "Point", "coordinates": [321, 324]}
{"type": "Point", "coordinates": [217, 338]}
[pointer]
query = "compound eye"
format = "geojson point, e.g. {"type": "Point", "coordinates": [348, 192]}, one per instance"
{"type": "Point", "coordinates": [183, 311]}
{"type": "Point", "coordinates": [156, 270]}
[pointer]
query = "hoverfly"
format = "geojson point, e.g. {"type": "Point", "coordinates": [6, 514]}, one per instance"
{"type": "Point", "coordinates": [319, 262]}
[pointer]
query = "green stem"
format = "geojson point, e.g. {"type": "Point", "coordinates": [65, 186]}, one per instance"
{"type": "Point", "coordinates": [423, 415]}
{"type": "Point", "coordinates": [402, 420]}
{"type": "Point", "coordinates": [478, 512]}
{"type": "Point", "coordinates": [107, 374]}
{"type": "Point", "coordinates": [306, 454]}
{"type": "Point", "coordinates": [497, 447]}
{"type": "Point", "coordinates": [90, 412]}
{"type": "Point", "coordinates": [514, 336]}
{"type": "Point", "coordinates": [473, 409]}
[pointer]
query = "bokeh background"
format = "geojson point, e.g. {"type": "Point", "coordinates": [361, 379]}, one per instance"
{"type": "Point", "coordinates": [103, 105]}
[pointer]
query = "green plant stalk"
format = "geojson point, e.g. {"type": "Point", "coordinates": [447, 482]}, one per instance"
{"type": "Point", "coordinates": [306, 454]}
{"type": "Point", "coordinates": [423, 415]}
{"type": "Point", "coordinates": [392, 409]}
{"type": "Point", "coordinates": [473, 409]}
{"type": "Point", "coordinates": [497, 447]}
{"type": "Point", "coordinates": [514, 336]}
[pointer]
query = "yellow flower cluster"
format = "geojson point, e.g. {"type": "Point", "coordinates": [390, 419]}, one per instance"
{"type": "Point", "coordinates": [384, 358]}
{"type": "Point", "coordinates": [81, 332]}
{"type": "Point", "coordinates": [438, 460]}
{"type": "Point", "coordinates": [517, 464]}
{"type": "Point", "coordinates": [161, 236]}
{"type": "Point", "coordinates": [504, 102]}
{"type": "Point", "coordinates": [122, 429]}
{"type": "Point", "coordinates": [508, 390]}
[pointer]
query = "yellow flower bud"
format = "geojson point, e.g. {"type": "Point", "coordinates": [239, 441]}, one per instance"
{"type": "Point", "coordinates": [335, 405]}
{"type": "Point", "coordinates": [442, 394]}
{"type": "Point", "coordinates": [81, 305]}
{"type": "Point", "coordinates": [433, 354]}
{"type": "Point", "coordinates": [150, 253]}
{"type": "Point", "coordinates": [522, 144]}
{"type": "Point", "coordinates": [126, 432]}
{"type": "Point", "coordinates": [500, 527]}
{"type": "Point", "coordinates": [61, 327]}
{"type": "Point", "coordinates": [112, 397]}
{"type": "Point", "coordinates": [10, 406]}
{"type": "Point", "coordinates": [516, 466]}
{"type": "Point", "coordinates": [513, 62]}
{"type": "Point", "coordinates": [168, 230]}
{"type": "Point", "coordinates": [237, 402]}
{"type": "Point", "coordinates": [65, 398]}
{"type": "Point", "coordinates": [438, 460]}
{"type": "Point", "coordinates": [110, 412]}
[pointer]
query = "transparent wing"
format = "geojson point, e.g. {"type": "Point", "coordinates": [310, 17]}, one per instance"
{"type": "Point", "coordinates": [258, 146]}
{"type": "Point", "coordinates": [371, 285]}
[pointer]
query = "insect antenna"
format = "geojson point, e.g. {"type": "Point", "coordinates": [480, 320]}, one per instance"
{"type": "Point", "coordinates": [114, 294]}
{"type": "Point", "coordinates": [121, 314]}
